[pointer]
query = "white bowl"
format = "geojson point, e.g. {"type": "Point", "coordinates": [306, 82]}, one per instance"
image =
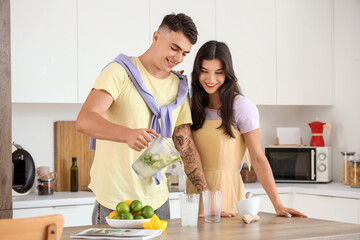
{"type": "Point", "coordinates": [248, 206]}
{"type": "Point", "coordinates": [122, 223]}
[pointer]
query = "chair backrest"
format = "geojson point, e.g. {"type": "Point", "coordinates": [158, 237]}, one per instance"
{"type": "Point", "coordinates": [37, 228]}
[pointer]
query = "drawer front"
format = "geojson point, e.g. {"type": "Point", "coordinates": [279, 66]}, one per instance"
{"type": "Point", "coordinates": [78, 215]}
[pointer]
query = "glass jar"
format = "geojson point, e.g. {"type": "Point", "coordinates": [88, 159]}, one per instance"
{"type": "Point", "coordinates": [248, 175]}
{"type": "Point", "coordinates": [346, 167]}
{"type": "Point", "coordinates": [355, 173]}
{"type": "Point", "coordinates": [46, 186]}
{"type": "Point", "coordinates": [173, 177]}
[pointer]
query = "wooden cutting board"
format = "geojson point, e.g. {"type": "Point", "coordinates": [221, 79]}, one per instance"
{"type": "Point", "coordinates": [70, 143]}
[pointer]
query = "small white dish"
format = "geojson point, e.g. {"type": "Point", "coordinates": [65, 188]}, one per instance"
{"type": "Point", "coordinates": [248, 206]}
{"type": "Point", "coordinates": [122, 223]}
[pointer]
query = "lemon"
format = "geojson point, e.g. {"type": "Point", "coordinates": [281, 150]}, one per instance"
{"type": "Point", "coordinates": [112, 214]}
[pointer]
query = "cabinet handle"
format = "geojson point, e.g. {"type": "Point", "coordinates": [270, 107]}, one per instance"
{"type": "Point", "coordinates": [63, 207]}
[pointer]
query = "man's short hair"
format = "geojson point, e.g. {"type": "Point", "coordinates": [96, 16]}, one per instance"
{"type": "Point", "coordinates": [180, 22]}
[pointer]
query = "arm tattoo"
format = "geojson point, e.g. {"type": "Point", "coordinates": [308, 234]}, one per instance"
{"type": "Point", "coordinates": [184, 143]}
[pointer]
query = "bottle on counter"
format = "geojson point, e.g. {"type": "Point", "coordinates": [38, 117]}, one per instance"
{"type": "Point", "coordinates": [172, 176]}
{"type": "Point", "coordinates": [346, 167]}
{"type": "Point", "coordinates": [74, 186]}
{"type": "Point", "coordinates": [355, 173]}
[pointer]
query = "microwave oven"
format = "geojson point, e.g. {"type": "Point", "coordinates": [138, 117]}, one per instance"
{"type": "Point", "coordinates": [300, 164]}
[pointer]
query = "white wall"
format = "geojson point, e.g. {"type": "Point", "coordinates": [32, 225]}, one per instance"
{"type": "Point", "coordinates": [33, 128]}
{"type": "Point", "coordinates": [33, 123]}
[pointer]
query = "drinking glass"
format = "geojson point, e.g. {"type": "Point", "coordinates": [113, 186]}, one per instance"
{"type": "Point", "coordinates": [212, 205]}
{"type": "Point", "coordinates": [189, 205]}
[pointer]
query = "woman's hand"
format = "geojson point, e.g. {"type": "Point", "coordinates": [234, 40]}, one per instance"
{"type": "Point", "coordinates": [289, 212]}
{"type": "Point", "coordinates": [227, 214]}
{"type": "Point", "coordinates": [223, 214]}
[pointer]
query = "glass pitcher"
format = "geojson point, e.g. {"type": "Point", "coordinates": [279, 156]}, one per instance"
{"type": "Point", "coordinates": [160, 153]}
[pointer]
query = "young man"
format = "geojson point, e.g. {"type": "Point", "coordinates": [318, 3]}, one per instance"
{"type": "Point", "coordinates": [118, 117]}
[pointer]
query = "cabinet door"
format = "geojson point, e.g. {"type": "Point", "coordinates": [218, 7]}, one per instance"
{"type": "Point", "coordinates": [248, 28]}
{"type": "Point", "coordinates": [304, 52]}
{"type": "Point", "coordinates": [203, 14]}
{"type": "Point", "coordinates": [266, 205]}
{"type": "Point", "coordinates": [77, 215]}
{"type": "Point", "coordinates": [174, 208]}
{"type": "Point", "coordinates": [43, 51]}
{"type": "Point", "coordinates": [105, 29]}
{"type": "Point", "coordinates": [328, 208]}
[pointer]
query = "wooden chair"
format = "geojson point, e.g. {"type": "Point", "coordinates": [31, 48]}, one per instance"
{"type": "Point", "coordinates": [37, 228]}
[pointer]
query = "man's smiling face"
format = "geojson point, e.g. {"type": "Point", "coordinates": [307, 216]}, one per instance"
{"type": "Point", "coordinates": [171, 48]}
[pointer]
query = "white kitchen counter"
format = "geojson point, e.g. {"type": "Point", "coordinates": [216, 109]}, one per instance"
{"type": "Point", "coordinates": [33, 200]}
{"type": "Point", "coordinates": [333, 189]}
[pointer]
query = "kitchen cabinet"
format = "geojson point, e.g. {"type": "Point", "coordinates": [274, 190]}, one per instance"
{"type": "Point", "coordinates": [328, 208]}
{"type": "Point", "coordinates": [304, 52]}
{"type": "Point", "coordinates": [106, 29]}
{"type": "Point", "coordinates": [266, 205]}
{"type": "Point", "coordinates": [248, 28]}
{"type": "Point", "coordinates": [43, 51]}
{"type": "Point", "coordinates": [202, 13]}
{"type": "Point", "coordinates": [315, 206]}
{"type": "Point", "coordinates": [174, 208]}
{"type": "Point", "coordinates": [281, 49]}
{"type": "Point", "coordinates": [74, 215]}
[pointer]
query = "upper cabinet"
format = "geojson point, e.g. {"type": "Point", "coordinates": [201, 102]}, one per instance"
{"type": "Point", "coordinates": [282, 50]}
{"type": "Point", "coordinates": [304, 52]}
{"type": "Point", "coordinates": [202, 13]}
{"type": "Point", "coordinates": [248, 28]}
{"type": "Point", "coordinates": [43, 51]}
{"type": "Point", "coordinates": [105, 29]}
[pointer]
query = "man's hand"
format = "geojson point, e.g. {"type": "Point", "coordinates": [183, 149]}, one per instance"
{"type": "Point", "coordinates": [139, 139]}
{"type": "Point", "coordinates": [184, 143]}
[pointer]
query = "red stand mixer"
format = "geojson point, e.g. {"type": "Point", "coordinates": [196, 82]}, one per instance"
{"type": "Point", "coordinates": [317, 132]}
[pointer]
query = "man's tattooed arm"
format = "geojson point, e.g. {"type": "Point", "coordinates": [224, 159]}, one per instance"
{"type": "Point", "coordinates": [184, 143]}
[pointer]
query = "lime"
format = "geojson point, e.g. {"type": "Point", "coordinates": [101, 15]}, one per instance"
{"type": "Point", "coordinates": [138, 217]}
{"type": "Point", "coordinates": [147, 211]}
{"type": "Point", "coordinates": [122, 207]}
{"type": "Point", "coordinates": [116, 217]}
{"type": "Point", "coordinates": [158, 164]}
{"type": "Point", "coordinates": [136, 206]}
{"type": "Point", "coordinates": [126, 215]}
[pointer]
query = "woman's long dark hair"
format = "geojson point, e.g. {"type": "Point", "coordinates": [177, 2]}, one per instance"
{"type": "Point", "coordinates": [228, 91]}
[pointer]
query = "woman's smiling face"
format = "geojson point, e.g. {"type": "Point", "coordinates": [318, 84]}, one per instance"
{"type": "Point", "coordinates": [212, 75]}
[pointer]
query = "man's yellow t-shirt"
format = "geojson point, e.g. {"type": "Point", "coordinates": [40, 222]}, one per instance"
{"type": "Point", "coordinates": [112, 177]}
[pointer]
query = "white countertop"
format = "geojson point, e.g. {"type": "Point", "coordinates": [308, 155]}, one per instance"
{"type": "Point", "coordinates": [334, 189]}
{"type": "Point", "coordinates": [33, 200]}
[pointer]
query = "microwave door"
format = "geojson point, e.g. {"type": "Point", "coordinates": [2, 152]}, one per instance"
{"type": "Point", "coordinates": [292, 164]}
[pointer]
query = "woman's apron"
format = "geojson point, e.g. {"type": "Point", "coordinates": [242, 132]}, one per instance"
{"type": "Point", "coordinates": [221, 157]}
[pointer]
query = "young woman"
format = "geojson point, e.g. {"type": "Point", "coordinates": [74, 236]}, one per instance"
{"type": "Point", "coordinates": [225, 124]}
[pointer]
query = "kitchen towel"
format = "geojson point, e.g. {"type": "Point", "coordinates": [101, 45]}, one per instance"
{"type": "Point", "coordinates": [164, 113]}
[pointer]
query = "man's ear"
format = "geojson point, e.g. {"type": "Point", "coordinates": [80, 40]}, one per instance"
{"type": "Point", "coordinates": [155, 36]}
